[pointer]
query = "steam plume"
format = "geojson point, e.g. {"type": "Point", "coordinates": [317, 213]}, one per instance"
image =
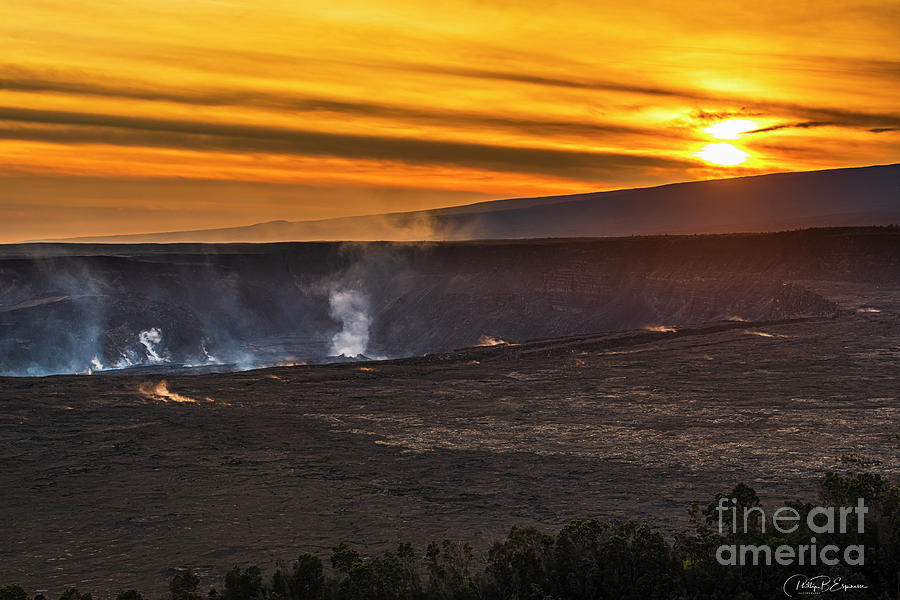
{"type": "Point", "coordinates": [149, 339]}
{"type": "Point", "coordinates": [351, 308]}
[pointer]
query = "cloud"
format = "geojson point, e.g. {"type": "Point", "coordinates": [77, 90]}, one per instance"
{"type": "Point", "coordinates": [57, 81]}
{"type": "Point", "coordinates": [749, 106]}
{"type": "Point", "coordinates": [17, 78]}
{"type": "Point", "coordinates": [711, 116]}
{"type": "Point", "coordinates": [553, 81]}
{"type": "Point", "coordinates": [813, 117]}
{"type": "Point", "coordinates": [84, 128]}
{"type": "Point", "coordinates": [836, 117]}
{"type": "Point", "coordinates": [800, 125]}
{"type": "Point", "coordinates": [74, 82]}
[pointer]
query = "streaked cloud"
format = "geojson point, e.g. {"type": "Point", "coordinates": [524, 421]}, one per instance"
{"type": "Point", "coordinates": [88, 128]}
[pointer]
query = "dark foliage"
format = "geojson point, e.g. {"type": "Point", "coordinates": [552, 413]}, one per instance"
{"type": "Point", "coordinates": [13, 592]}
{"type": "Point", "coordinates": [183, 586]}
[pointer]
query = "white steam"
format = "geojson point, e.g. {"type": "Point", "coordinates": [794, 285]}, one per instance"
{"type": "Point", "coordinates": [351, 308]}
{"type": "Point", "coordinates": [487, 340]}
{"type": "Point", "coordinates": [209, 358]}
{"type": "Point", "coordinates": [96, 365]}
{"type": "Point", "coordinates": [149, 340]}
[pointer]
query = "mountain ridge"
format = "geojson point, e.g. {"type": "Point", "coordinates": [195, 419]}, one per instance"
{"type": "Point", "coordinates": [857, 196]}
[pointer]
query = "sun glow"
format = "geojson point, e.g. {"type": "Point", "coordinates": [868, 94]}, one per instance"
{"type": "Point", "coordinates": [723, 154]}
{"type": "Point", "coordinates": [731, 129]}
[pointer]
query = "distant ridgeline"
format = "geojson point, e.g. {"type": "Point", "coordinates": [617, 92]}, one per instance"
{"type": "Point", "coordinates": [800, 550]}
{"type": "Point", "coordinates": [94, 308]}
{"type": "Point", "coordinates": [862, 196]}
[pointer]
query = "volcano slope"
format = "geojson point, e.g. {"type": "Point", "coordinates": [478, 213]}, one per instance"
{"type": "Point", "coordinates": [109, 482]}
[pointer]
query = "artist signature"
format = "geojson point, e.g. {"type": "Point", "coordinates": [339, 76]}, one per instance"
{"type": "Point", "coordinates": [801, 585]}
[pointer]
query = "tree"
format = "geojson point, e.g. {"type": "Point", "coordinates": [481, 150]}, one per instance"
{"type": "Point", "coordinates": [13, 592]}
{"type": "Point", "coordinates": [243, 585]}
{"type": "Point", "coordinates": [305, 581]}
{"type": "Point", "coordinates": [520, 563]}
{"type": "Point", "coordinates": [387, 576]}
{"type": "Point", "coordinates": [343, 558]}
{"type": "Point", "coordinates": [308, 577]}
{"type": "Point", "coordinates": [449, 571]}
{"type": "Point", "coordinates": [183, 585]}
{"type": "Point", "coordinates": [74, 594]}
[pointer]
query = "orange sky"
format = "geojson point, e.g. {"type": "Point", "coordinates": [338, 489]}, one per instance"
{"type": "Point", "coordinates": [159, 115]}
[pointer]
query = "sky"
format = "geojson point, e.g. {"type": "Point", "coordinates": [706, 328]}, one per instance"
{"type": "Point", "coordinates": [159, 115]}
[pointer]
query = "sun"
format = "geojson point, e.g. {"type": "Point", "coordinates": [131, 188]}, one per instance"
{"type": "Point", "coordinates": [723, 154]}
{"type": "Point", "coordinates": [731, 129]}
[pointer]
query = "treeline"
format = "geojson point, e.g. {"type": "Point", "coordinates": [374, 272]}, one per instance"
{"type": "Point", "coordinates": [592, 559]}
